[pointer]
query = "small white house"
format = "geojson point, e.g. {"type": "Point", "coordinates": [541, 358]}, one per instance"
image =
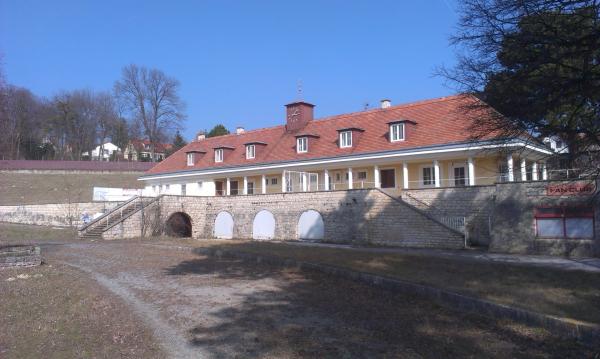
{"type": "Point", "coordinates": [107, 151]}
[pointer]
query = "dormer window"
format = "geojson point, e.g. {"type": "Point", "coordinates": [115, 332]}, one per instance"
{"type": "Point", "coordinates": [302, 144]}
{"type": "Point", "coordinates": [190, 159]}
{"type": "Point", "coordinates": [219, 155]}
{"type": "Point", "coordinates": [250, 152]}
{"type": "Point", "coordinates": [345, 139]}
{"type": "Point", "coordinates": [397, 132]}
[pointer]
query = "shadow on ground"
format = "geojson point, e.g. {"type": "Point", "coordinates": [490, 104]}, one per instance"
{"type": "Point", "coordinates": [289, 313]}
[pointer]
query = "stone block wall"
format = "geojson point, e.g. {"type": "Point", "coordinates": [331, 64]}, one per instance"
{"type": "Point", "coordinates": [355, 216]}
{"type": "Point", "coordinates": [514, 221]}
{"type": "Point", "coordinates": [475, 203]}
{"type": "Point", "coordinates": [56, 214]}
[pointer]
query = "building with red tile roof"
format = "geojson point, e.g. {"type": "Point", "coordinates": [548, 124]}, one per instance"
{"type": "Point", "coordinates": [140, 150]}
{"type": "Point", "coordinates": [415, 145]}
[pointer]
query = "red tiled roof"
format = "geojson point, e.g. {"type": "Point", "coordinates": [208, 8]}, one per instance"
{"type": "Point", "coordinates": [33, 165]}
{"type": "Point", "coordinates": [158, 147]}
{"type": "Point", "coordinates": [438, 121]}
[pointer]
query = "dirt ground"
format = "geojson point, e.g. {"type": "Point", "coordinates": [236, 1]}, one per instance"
{"type": "Point", "coordinates": [196, 306]}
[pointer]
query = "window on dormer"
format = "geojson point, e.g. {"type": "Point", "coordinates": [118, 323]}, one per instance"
{"type": "Point", "coordinates": [250, 152]}
{"type": "Point", "coordinates": [345, 139]}
{"type": "Point", "coordinates": [396, 132]}
{"type": "Point", "coordinates": [219, 155]}
{"type": "Point", "coordinates": [302, 145]}
{"type": "Point", "coordinates": [190, 159]}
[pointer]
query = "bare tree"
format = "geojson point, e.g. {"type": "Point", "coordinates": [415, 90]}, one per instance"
{"type": "Point", "coordinates": [106, 118]}
{"type": "Point", "coordinates": [537, 62]}
{"type": "Point", "coordinates": [152, 99]}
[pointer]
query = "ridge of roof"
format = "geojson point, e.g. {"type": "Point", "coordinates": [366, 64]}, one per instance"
{"type": "Point", "coordinates": [349, 114]}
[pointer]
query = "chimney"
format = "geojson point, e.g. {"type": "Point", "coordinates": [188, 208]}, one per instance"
{"type": "Point", "coordinates": [239, 130]}
{"type": "Point", "coordinates": [298, 115]}
{"type": "Point", "coordinates": [385, 103]}
{"type": "Point", "coordinates": [201, 136]}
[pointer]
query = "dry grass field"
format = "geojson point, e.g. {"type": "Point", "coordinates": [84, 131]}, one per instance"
{"type": "Point", "coordinates": [40, 188]}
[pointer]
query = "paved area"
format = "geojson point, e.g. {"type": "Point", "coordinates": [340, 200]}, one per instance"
{"type": "Point", "coordinates": [200, 307]}
{"type": "Point", "coordinates": [583, 264]}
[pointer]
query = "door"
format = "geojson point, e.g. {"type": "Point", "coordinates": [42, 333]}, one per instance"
{"type": "Point", "coordinates": [219, 188]}
{"type": "Point", "coordinates": [224, 226]}
{"type": "Point", "coordinates": [311, 226]}
{"type": "Point", "coordinates": [388, 178]}
{"type": "Point", "coordinates": [233, 190]}
{"type": "Point", "coordinates": [263, 226]}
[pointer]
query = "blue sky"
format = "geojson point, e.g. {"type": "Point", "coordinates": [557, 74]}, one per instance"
{"type": "Point", "coordinates": [238, 62]}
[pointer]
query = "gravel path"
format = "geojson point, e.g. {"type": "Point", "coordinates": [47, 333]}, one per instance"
{"type": "Point", "coordinates": [217, 308]}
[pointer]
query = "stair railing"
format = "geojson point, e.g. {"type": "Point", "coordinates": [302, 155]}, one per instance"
{"type": "Point", "coordinates": [108, 213]}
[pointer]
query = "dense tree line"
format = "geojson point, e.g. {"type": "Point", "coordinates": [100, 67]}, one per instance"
{"type": "Point", "coordinates": [537, 62]}
{"type": "Point", "coordinates": [143, 104]}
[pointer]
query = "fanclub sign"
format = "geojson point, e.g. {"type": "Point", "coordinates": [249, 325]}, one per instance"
{"type": "Point", "coordinates": [571, 189]}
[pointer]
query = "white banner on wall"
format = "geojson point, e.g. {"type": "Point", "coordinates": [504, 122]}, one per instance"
{"type": "Point", "coordinates": [114, 194]}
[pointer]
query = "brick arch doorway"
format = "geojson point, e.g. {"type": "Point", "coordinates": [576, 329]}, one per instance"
{"type": "Point", "coordinates": [179, 224]}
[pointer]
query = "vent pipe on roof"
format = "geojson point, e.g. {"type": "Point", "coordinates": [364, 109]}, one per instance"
{"type": "Point", "coordinates": [239, 130]}
{"type": "Point", "coordinates": [385, 103]}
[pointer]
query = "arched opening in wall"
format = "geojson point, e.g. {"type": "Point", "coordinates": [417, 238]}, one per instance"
{"type": "Point", "coordinates": [263, 226]}
{"type": "Point", "coordinates": [179, 224]}
{"type": "Point", "coordinates": [311, 226]}
{"type": "Point", "coordinates": [224, 226]}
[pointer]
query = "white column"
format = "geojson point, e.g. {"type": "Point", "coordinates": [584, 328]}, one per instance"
{"type": "Point", "coordinates": [326, 178]}
{"type": "Point", "coordinates": [534, 171]}
{"type": "Point", "coordinates": [283, 184]}
{"type": "Point", "coordinates": [350, 179]}
{"type": "Point", "coordinates": [245, 185]}
{"type": "Point", "coordinates": [544, 171]}
{"type": "Point", "coordinates": [263, 184]}
{"type": "Point", "coordinates": [228, 187]}
{"type": "Point", "coordinates": [523, 170]}
{"type": "Point", "coordinates": [376, 177]}
{"type": "Point", "coordinates": [511, 169]}
{"type": "Point", "coordinates": [436, 173]}
{"type": "Point", "coordinates": [304, 182]}
{"type": "Point", "coordinates": [405, 175]}
{"type": "Point", "coordinates": [471, 169]}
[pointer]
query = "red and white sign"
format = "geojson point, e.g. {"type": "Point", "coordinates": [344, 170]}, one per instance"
{"type": "Point", "coordinates": [571, 189]}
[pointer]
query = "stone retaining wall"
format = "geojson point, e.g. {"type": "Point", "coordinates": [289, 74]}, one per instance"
{"type": "Point", "coordinates": [56, 214]}
{"type": "Point", "coordinates": [514, 221]}
{"type": "Point", "coordinates": [474, 203]}
{"type": "Point", "coordinates": [355, 216]}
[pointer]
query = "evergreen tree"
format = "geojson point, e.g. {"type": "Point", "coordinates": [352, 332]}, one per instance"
{"type": "Point", "coordinates": [218, 130]}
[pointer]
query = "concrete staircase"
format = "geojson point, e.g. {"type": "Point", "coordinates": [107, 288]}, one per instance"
{"type": "Point", "coordinates": [95, 228]}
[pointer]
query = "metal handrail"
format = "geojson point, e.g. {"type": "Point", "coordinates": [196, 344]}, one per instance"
{"type": "Point", "coordinates": [154, 199]}
{"type": "Point", "coordinates": [84, 227]}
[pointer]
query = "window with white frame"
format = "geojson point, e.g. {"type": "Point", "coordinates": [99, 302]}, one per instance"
{"type": "Point", "coordinates": [250, 152]}
{"type": "Point", "coordinates": [190, 159]}
{"type": "Point", "coordinates": [362, 175]}
{"type": "Point", "coordinates": [302, 144]}
{"type": "Point", "coordinates": [274, 181]}
{"type": "Point", "coordinates": [428, 178]}
{"type": "Point", "coordinates": [250, 188]}
{"type": "Point", "coordinates": [219, 155]}
{"type": "Point", "coordinates": [396, 132]}
{"type": "Point", "coordinates": [345, 139]}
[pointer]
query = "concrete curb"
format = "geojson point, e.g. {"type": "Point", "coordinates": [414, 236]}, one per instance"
{"type": "Point", "coordinates": [585, 332]}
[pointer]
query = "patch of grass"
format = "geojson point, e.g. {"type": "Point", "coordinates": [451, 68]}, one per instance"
{"type": "Point", "coordinates": [56, 312]}
{"type": "Point", "coordinates": [28, 234]}
{"type": "Point", "coordinates": [40, 188]}
{"type": "Point", "coordinates": [570, 294]}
